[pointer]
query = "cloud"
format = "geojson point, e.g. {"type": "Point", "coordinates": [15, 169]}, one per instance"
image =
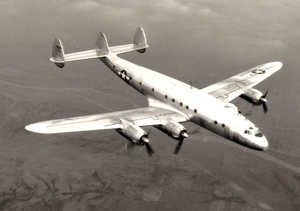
{"type": "Point", "coordinates": [86, 5]}
{"type": "Point", "coordinates": [108, 9]}
{"type": "Point", "coordinates": [165, 9]}
{"type": "Point", "coordinates": [172, 6]}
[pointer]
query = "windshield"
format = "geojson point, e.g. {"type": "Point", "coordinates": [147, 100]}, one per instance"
{"type": "Point", "coordinates": [254, 131]}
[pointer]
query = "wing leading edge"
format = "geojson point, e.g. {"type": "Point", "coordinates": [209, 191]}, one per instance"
{"type": "Point", "coordinates": [140, 117]}
{"type": "Point", "coordinates": [233, 87]}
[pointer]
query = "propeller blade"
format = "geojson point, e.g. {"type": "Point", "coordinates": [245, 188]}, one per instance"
{"type": "Point", "coordinates": [130, 145]}
{"type": "Point", "coordinates": [180, 142]}
{"type": "Point", "coordinates": [177, 149]}
{"type": "Point", "coordinates": [149, 149]}
{"type": "Point", "coordinates": [266, 93]}
{"type": "Point", "coordinates": [265, 107]}
{"type": "Point", "coordinates": [264, 101]}
{"type": "Point", "coordinates": [149, 131]}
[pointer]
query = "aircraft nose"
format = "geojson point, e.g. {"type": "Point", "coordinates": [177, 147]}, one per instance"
{"type": "Point", "coordinates": [264, 144]}
{"type": "Point", "coordinates": [259, 142]}
{"type": "Point", "coordinates": [255, 141]}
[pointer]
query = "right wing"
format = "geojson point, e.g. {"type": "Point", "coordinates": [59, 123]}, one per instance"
{"type": "Point", "coordinates": [234, 86]}
{"type": "Point", "coordinates": [140, 117]}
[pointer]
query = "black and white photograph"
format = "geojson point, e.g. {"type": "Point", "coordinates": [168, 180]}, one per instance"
{"type": "Point", "coordinates": [149, 105]}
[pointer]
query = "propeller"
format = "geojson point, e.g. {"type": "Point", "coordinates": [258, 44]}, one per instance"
{"type": "Point", "coordinates": [180, 142]}
{"type": "Point", "coordinates": [149, 149]}
{"type": "Point", "coordinates": [130, 145]}
{"type": "Point", "coordinates": [263, 101]}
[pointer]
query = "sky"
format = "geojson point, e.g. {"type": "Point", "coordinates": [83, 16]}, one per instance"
{"type": "Point", "coordinates": [225, 34]}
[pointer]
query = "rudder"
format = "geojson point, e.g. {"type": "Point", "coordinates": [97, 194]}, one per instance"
{"type": "Point", "coordinates": [102, 42]}
{"type": "Point", "coordinates": [140, 39]}
{"type": "Point", "coordinates": [58, 55]}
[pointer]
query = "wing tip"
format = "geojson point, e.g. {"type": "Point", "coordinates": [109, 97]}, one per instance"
{"type": "Point", "coordinates": [36, 128]}
{"type": "Point", "coordinates": [278, 65]}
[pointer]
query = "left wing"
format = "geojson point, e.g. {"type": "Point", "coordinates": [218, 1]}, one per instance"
{"type": "Point", "coordinates": [231, 88]}
{"type": "Point", "coordinates": [140, 117]}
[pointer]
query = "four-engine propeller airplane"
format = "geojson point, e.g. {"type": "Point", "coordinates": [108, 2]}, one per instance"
{"type": "Point", "coordinates": [171, 102]}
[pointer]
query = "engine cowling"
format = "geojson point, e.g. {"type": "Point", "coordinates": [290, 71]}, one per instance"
{"type": "Point", "coordinates": [133, 133]}
{"type": "Point", "coordinates": [172, 128]}
{"type": "Point", "coordinates": [175, 130]}
{"type": "Point", "coordinates": [253, 96]}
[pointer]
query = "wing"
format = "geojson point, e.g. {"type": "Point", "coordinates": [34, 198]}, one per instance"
{"type": "Point", "coordinates": [140, 117]}
{"type": "Point", "coordinates": [231, 88]}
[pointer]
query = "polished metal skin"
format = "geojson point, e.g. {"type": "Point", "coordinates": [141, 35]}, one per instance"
{"type": "Point", "coordinates": [171, 102]}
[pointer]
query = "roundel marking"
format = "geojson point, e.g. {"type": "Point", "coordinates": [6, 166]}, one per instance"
{"type": "Point", "coordinates": [258, 71]}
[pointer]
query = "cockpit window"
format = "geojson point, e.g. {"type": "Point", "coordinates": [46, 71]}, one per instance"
{"type": "Point", "coordinates": [259, 134]}
{"type": "Point", "coordinates": [256, 132]}
{"type": "Point", "coordinates": [248, 132]}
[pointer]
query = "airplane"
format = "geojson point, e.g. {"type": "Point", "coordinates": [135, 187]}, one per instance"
{"type": "Point", "coordinates": [170, 102]}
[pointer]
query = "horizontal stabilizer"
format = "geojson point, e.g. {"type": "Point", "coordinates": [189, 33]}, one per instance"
{"type": "Point", "coordinates": [59, 58]}
{"type": "Point", "coordinates": [139, 43]}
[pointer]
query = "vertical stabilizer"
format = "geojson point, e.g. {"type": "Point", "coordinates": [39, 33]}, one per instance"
{"type": "Point", "coordinates": [102, 42]}
{"type": "Point", "coordinates": [140, 39]}
{"type": "Point", "coordinates": [58, 53]}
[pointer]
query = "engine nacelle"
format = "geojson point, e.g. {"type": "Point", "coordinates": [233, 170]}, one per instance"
{"type": "Point", "coordinates": [132, 132]}
{"type": "Point", "coordinates": [172, 128]}
{"type": "Point", "coordinates": [252, 95]}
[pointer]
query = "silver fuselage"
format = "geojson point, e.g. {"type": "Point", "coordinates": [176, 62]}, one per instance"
{"type": "Point", "coordinates": [202, 109]}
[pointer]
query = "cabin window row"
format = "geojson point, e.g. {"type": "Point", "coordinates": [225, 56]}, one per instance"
{"type": "Point", "coordinates": [216, 122]}
{"type": "Point", "coordinates": [173, 100]}
{"type": "Point", "coordinates": [166, 96]}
